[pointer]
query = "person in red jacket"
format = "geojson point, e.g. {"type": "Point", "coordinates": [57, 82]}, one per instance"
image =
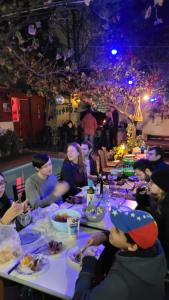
{"type": "Point", "coordinates": [89, 125]}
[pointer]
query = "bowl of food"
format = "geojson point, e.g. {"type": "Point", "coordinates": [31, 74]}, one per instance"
{"type": "Point", "coordinates": [59, 218]}
{"type": "Point", "coordinates": [94, 213]}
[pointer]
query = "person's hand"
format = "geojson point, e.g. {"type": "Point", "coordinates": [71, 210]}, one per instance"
{"type": "Point", "coordinates": [61, 188]}
{"type": "Point", "coordinates": [15, 210]}
{"type": "Point", "coordinates": [88, 252]}
{"type": "Point", "coordinates": [97, 239]}
{"type": "Point", "coordinates": [26, 206]}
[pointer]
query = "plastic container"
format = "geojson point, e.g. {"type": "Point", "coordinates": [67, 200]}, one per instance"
{"type": "Point", "coordinates": [59, 218]}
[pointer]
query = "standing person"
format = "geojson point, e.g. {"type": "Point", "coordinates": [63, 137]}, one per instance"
{"type": "Point", "coordinates": [89, 125]}
{"type": "Point", "coordinates": [73, 169]}
{"type": "Point", "coordinates": [115, 115]}
{"type": "Point", "coordinates": [138, 268]}
{"type": "Point", "coordinates": [9, 210]}
{"type": "Point", "coordinates": [43, 188]}
{"type": "Point", "coordinates": [70, 132]}
{"type": "Point", "coordinates": [90, 163]}
{"type": "Point", "coordinates": [107, 132]}
{"type": "Point", "coordinates": [156, 156]}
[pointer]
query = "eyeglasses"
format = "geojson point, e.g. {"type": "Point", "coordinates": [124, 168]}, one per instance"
{"type": "Point", "coordinates": [3, 182]}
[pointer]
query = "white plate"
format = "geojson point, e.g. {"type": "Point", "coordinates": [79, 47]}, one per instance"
{"type": "Point", "coordinates": [44, 263]}
{"type": "Point", "coordinates": [73, 251]}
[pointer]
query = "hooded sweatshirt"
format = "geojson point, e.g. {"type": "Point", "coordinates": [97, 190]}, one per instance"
{"type": "Point", "coordinates": [89, 124]}
{"type": "Point", "coordinates": [132, 276]}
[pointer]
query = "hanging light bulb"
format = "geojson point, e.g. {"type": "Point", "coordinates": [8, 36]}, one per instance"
{"type": "Point", "coordinates": [59, 99]}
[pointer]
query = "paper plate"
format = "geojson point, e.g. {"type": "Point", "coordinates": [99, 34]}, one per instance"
{"type": "Point", "coordinates": [73, 251]}
{"type": "Point", "coordinates": [43, 265]}
{"type": "Point", "coordinates": [29, 237]}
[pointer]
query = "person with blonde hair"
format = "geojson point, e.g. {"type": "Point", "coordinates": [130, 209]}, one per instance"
{"type": "Point", "coordinates": [73, 169]}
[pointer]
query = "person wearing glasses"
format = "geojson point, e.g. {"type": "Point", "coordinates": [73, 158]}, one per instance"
{"type": "Point", "coordinates": [8, 210]}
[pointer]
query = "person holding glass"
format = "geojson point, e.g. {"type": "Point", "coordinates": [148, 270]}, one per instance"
{"type": "Point", "coordinates": [9, 210]}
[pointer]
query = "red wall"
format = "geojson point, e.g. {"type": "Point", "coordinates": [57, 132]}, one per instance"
{"type": "Point", "coordinates": [31, 115]}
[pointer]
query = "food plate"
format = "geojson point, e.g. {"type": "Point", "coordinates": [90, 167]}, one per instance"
{"type": "Point", "coordinates": [133, 178]}
{"type": "Point", "coordinates": [29, 237]}
{"type": "Point", "coordinates": [39, 265]}
{"type": "Point", "coordinates": [53, 248]}
{"type": "Point", "coordinates": [71, 256]}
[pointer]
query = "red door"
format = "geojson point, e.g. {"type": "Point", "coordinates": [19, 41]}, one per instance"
{"type": "Point", "coordinates": [21, 118]}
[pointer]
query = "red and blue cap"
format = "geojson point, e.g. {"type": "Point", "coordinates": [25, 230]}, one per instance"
{"type": "Point", "coordinates": [140, 226]}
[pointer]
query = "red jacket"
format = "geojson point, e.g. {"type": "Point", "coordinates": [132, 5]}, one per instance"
{"type": "Point", "coordinates": [89, 124]}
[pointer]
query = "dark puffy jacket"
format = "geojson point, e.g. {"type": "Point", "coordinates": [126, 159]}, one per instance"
{"type": "Point", "coordinates": [132, 276]}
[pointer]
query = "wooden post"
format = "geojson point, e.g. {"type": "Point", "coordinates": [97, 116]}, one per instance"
{"type": "Point", "coordinates": [1, 289]}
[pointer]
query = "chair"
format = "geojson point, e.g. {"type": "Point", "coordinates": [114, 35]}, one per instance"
{"type": "Point", "coordinates": [103, 166]}
{"type": "Point", "coordinates": [19, 192]}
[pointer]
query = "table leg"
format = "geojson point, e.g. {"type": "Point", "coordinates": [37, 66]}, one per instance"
{"type": "Point", "coordinates": [1, 289]}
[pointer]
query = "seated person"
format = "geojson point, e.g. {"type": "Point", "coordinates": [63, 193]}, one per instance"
{"type": "Point", "coordinates": [73, 169]}
{"type": "Point", "coordinates": [138, 268]}
{"type": "Point", "coordinates": [90, 163]}
{"type": "Point", "coordinates": [43, 188]}
{"type": "Point", "coordinates": [159, 189]}
{"type": "Point", "coordinates": [143, 169]}
{"type": "Point", "coordinates": [9, 210]}
{"type": "Point", "coordinates": [156, 156]}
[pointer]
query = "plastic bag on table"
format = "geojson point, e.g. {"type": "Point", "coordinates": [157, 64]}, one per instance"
{"type": "Point", "coordinates": [10, 244]}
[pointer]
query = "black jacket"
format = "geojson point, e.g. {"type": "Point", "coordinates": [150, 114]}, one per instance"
{"type": "Point", "coordinates": [132, 276]}
{"type": "Point", "coordinates": [70, 172]}
{"type": "Point", "coordinates": [158, 165]}
{"type": "Point", "coordinates": [161, 215]}
{"type": "Point", "coordinates": [5, 204]}
{"type": "Point", "coordinates": [93, 166]}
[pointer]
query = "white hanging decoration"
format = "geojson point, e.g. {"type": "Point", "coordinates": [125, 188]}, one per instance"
{"type": "Point", "coordinates": [158, 2]}
{"type": "Point", "coordinates": [38, 24]}
{"type": "Point", "coordinates": [58, 56]}
{"type": "Point", "coordinates": [32, 29]}
{"type": "Point", "coordinates": [59, 99]}
{"type": "Point", "coordinates": [87, 2]}
{"type": "Point", "coordinates": [148, 13]}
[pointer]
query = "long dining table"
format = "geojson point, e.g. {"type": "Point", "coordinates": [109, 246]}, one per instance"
{"type": "Point", "coordinates": [59, 276]}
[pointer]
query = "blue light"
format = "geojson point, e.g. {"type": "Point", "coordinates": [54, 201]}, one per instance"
{"type": "Point", "coordinates": [114, 51]}
{"type": "Point", "coordinates": [153, 99]}
{"type": "Point", "coordinates": [130, 82]}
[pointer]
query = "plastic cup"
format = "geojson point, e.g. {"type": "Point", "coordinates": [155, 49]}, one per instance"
{"type": "Point", "coordinates": [73, 227]}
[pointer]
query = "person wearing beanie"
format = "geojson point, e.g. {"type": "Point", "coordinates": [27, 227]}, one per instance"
{"type": "Point", "coordinates": [138, 267]}
{"type": "Point", "coordinates": [159, 189]}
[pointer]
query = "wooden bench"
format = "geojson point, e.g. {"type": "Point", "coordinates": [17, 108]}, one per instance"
{"type": "Point", "coordinates": [158, 140]}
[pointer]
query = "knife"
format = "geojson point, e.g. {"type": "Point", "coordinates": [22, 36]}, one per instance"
{"type": "Point", "coordinates": [18, 262]}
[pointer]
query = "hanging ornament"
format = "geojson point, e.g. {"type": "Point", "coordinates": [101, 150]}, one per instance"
{"type": "Point", "coordinates": [32, 29]}
{"type": "Point", "coordinates": [148, 13]}
{"type": "Point", "coordinates": [138, 117]}
{"type": "Point", "coordinates": [59, 99]}
{"type": "Point", "coordinates": [158, 2]}
{"type": "Point", "coordinates": [87, 2]}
